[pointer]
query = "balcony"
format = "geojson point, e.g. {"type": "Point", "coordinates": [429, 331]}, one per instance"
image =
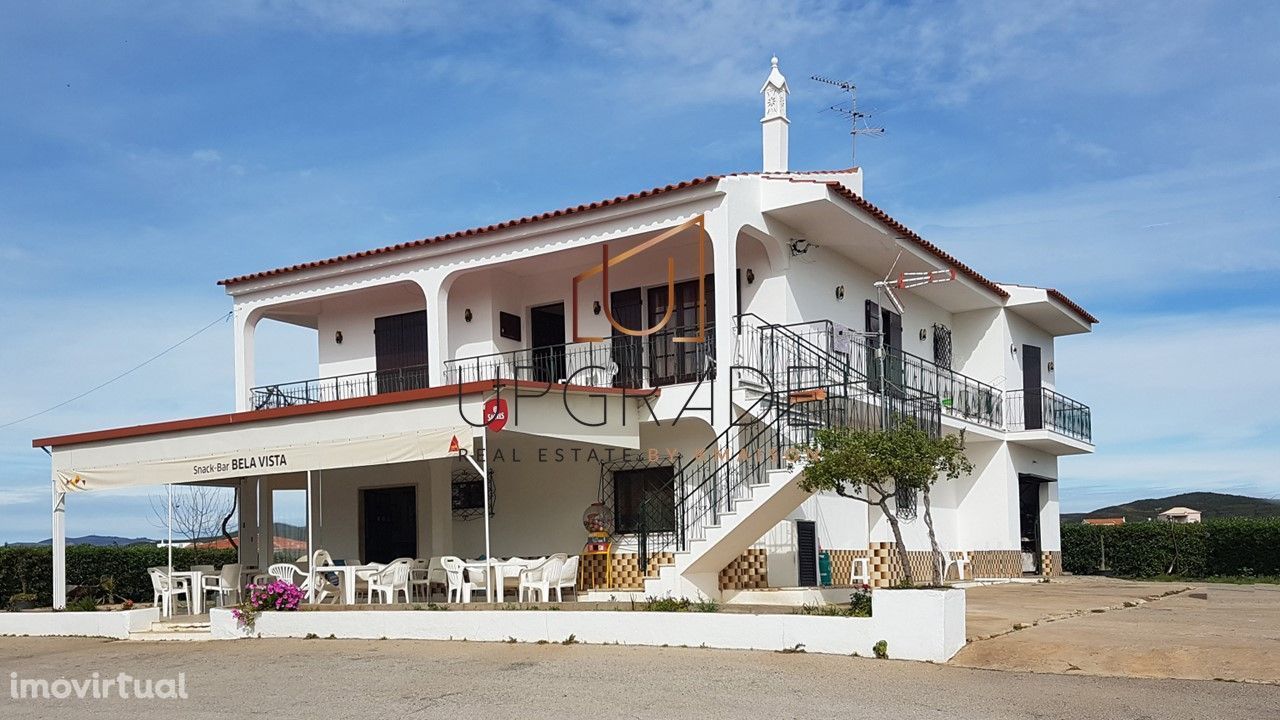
{"type": "Point", "coordinates": [1042, 410]}
{"type": "Point", "coordinates": [624, 362]}
{"type": "Point", "coordinates": [906, 375]}
{"type": "Point", "coordinates": [341, 387]}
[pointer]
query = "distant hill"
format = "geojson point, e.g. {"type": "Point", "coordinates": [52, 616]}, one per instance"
{"type": "Point", "coordinates": [98, 540]}
{"type": "Point", "coordinates": [1211, 504]}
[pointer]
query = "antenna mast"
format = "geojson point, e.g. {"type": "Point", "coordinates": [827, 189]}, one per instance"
{"type": "Point", "coordinates": [852, 113]}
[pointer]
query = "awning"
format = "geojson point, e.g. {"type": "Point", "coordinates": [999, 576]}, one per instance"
{"type": "Point", "coordinates": [254, 461]}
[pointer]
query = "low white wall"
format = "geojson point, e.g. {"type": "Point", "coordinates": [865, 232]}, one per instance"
{"type": "Point", "coordinates": [916, 624]}
{"type": "Point", "coordinates": [111, 624]}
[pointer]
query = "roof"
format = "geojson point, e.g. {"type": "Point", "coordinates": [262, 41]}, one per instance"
{"type": "Point", "coordinates": [875, 212]}
{"type": "Point", "coordinates": [473, 232]}
{"type": "Point", "coordinates": [1180, 511]}
{"type": "Point", "coordinates": [1104, 521]}
{"type": "Point", "coordinates": [1071, 304]}
{"type": "Point", "coordinates": [253, 416]}
{"type": "Point", "coordinates": [890, 223]}
{"type": "Point", "coordinates": [506, 224]}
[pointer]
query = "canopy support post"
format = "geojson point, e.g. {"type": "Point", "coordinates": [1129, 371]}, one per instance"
{"type": "Point", "coordinates": [59, 547]}
{"type": "Point", "coordinates": [311, 565]}
{"type": "Point", "coordinates": [483, 469]}
{"type": "Point", "coordinates": [169, 541]}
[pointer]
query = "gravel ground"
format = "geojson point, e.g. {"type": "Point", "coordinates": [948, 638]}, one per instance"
{"type": "Point", "coordinates": [1208, 632]}
{"type": "Point", "coordinates": [402, 679]}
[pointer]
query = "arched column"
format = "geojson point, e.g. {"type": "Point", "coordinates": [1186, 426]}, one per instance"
{"type": "Point", "coordinates": [245, 325]}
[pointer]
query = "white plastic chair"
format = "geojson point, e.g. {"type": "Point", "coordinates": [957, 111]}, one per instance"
{"type": "Point", "coordinates": [287, 572]}
{"type": "Point", "coordinates": [392, 579]}
{"type": "Point", "coordinates": [475, 579]}
{"type": "Point", "coordinates": [541, 577]}
{"type": "Point", "coordinates": [226, 582]}
{"type": "Point", "coordinates": [568, 578]}
{"type": "Point", "coordinates": [453, 567]}
{"type": "Point", "coordinates": [420, 577]}
{"type": "Point", "coordinates": [860, 573]}
{"type": "Point", "coordinates": [164, 589]}
{"type": "Point", "coordinates": [961, 564]}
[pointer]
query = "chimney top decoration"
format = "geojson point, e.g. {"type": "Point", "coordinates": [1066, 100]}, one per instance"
{"type": "Point", "coordinates": [774, 123]}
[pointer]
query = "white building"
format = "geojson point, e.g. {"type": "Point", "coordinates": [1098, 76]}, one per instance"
{"type": "Point", "coordinates": [1180, 515]}
{"type": "Point", "coordinates": [744, 276]}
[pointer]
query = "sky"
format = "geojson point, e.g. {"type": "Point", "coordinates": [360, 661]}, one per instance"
{"type": "Point", "coordinates": [1123, 153]}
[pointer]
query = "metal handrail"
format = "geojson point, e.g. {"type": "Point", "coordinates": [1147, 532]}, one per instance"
{"type": "Point", "coordinates": [339, 387]}
{"type": "Point", "coordinates": [611, 362]}
{"type": "Point", "coordinates": [1058, 413]}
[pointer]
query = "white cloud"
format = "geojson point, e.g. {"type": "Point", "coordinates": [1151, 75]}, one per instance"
{"type": "Point", "coordinates": [207, 156]}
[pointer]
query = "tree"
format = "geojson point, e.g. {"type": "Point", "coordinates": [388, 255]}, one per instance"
{"type": "Point", "coordinates": [198, 512]}
{"type": "Point", "coordinates": [870, 466]}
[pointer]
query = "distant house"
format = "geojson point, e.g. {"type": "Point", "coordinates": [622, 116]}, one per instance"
{"type": "Point", "coordinates": [1180, 515]}
{"type": "Point", "coordinates": [1104, 521]}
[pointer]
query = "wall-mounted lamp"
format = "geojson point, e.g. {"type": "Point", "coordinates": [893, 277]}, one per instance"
{"type": "Point", "coordinates": [751, 276]}
{"type": "Point", "coordinates": [839, 292]}
{"type": "Point", "coordinates": [467, 315]}
{"type": "Point", "coordinates": [1050, 366]}
{"type": "Point", "coordinates": [1013, 349]}
{"type": "Point", "coordinates": [800, 246]}
{"type": "Point", "coordinates": [595, 307]}
{"type": "Point", "coordinates": [924, 335]}
{"type": "Point", "coordinates": [337, 337]}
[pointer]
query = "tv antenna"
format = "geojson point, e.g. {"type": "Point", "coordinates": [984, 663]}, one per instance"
{"type": "Point", "coordinates": [858, 124]}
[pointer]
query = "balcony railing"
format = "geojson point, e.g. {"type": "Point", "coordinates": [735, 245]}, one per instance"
{"type": "Point", "coordinates": [630, 362]}
{"type": "Point", "coordinates": [341, 387]}
{"type": "Point", "coordinates": [907, 375]}
{"type": "Point", "coordinates": [1048, 410]}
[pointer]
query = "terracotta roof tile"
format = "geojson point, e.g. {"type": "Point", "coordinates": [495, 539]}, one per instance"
{"type": "Point", "coordinates": [884, 219]}
{"type": "Point", "coordinates": [472, 232]}
{"type": "Point", "coordinates": [1084, 314]}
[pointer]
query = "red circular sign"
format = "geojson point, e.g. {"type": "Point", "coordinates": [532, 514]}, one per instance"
{"type": "Point", "coordinates": [495, 414]}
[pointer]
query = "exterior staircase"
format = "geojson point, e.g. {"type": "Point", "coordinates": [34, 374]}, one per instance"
{"type": "Point", "coordinates": [174, 630]}
{"type": "Point", "coordinates": [748, 479]}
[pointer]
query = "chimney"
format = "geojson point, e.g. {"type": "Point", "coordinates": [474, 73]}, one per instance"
{"type": "Point", "coordinates": [774, 123]}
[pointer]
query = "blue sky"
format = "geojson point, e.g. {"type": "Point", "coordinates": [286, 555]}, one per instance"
{"type": "Point", "coordinates": [1123, 153]}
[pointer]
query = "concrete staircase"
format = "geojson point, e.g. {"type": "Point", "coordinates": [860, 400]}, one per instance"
{"type": "Point", "coordinates": [696, 571]}
{"type": "Point", "coordinates": [188, 631]}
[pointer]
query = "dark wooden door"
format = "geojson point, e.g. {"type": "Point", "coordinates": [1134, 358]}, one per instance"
{"type": "Point", "coordinates": [807, 553]}
{"type": "Point", "coordinates": [884, 328]}
{"type": "Point", "coordinates": [670, 361]}
{"type": "Point", "coordinates": [628, 350]}
{"type": "Point", "coordinates": [1032, 392]}
{"type": "Point", "coordinates": [1029, 522]}
{"type": "Point", "coordinates": [546, 331]}
{"type": "Point", "coordinates": [400, 346]}
{"type": "Point", "coordinates": [390, 523]}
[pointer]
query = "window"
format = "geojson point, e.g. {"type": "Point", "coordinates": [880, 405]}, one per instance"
{"type": "Point", "coordinates": [644, 498]}
{"type": "Point", "coordinates": [942, 346]}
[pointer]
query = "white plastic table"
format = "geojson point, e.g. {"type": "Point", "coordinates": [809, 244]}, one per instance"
{"type": "Point", "coordinates": [195, 591]}
{"type": "Point", "coordinates": [502, 569]}
{"type": "Point", "coordinates": [348, 573]}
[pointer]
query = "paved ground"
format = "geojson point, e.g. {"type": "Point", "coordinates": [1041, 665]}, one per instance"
{"type": "Point", "coordinates": [401, 679]}
{"type": "Point", "coordinates": [1206, 632]}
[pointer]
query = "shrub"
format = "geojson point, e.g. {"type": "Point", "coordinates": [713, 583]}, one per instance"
{"type": "Point", "coordinates": [1215, 547]}
{"type": "Point", "coordinates": [881, 649]}
{"type": "Point", "coordinates": [669, 604]}
{"type": "Point", "coordinates": [30, 569]}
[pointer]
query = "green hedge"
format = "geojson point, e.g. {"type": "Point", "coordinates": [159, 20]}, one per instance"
{"type": "Point", "coordinates": [1226, 546]}
{"type": "Point", "coordinates": [87, 565]}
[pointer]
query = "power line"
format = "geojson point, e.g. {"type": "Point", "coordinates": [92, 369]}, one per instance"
{"type": "Point", "coordinates": [130, 371]}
